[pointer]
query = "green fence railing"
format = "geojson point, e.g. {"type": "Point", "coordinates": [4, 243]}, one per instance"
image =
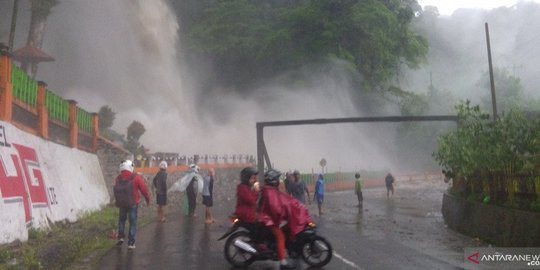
{"type": "Point", "coordinates": [57, 107]}
{"type": "Point", "coordinates": [84, 120]}
{"type": "Point", "coordinates": [24, 87]}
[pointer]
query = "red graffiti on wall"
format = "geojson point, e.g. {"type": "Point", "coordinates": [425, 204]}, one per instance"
{"type": "Point", "coordinates": [21, 177]}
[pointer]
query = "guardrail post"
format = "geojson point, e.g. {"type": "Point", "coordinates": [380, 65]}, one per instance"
{"type": "Point", "coordinates": [73, 129]}
{"type": "Point", "coordinates": [43, 114]}
{"type": "Point", "coordinates": [6, 94]}
{"type": "Point", "coordinates": [95, 131]}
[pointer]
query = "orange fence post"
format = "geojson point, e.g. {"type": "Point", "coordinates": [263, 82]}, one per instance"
{"type": "Point", "coordinates": [6, 95]}
{"type": "Point", "coordinates": [95, 131]}
{"type": "Point", "coordinates": [73, 129]}
{"type": "Point", "coordinates": [43, 114]}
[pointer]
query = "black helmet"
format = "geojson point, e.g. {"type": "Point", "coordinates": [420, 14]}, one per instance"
{"type": "Point", "coordinates": [357, 175]}
{"type": "Point", "coordinates": [246, 173]}
{"type": "Point", "coordinates": [271, 177]}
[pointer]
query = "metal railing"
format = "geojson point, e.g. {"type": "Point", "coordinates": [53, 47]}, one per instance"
{"type": "Point", "coordinates": [24, 87]}
{"type": "Point", "coordinates": [84, 120]}
{"type": "Point", "coordinates": [57, 107]}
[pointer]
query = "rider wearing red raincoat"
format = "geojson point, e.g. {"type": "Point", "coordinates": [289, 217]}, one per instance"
{"type": "Point", "coordinates": [277, 209]}
{"type": "Point", "coordinates": [246, 195]}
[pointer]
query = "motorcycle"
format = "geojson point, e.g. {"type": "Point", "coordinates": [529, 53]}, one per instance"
{"type": "Point", "coordinates": [248, 242]}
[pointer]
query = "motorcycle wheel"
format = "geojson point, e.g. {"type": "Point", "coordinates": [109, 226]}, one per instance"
{"type": "Point", "coordinates": [317, 252]}
{"type": "Point", "coordinates": [235, 255]}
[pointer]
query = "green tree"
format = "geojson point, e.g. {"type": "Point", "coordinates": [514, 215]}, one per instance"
{"type": "Point", "coordinates": [251, 41]}
{"type": "Point", "coordinates": [492, 158]}
{"type": "Point", "coordinates": [509, 91]}
{"type": "Point", "coordinates": [134, 132]}
{"type": "Point", "coordinates": [106, 117]}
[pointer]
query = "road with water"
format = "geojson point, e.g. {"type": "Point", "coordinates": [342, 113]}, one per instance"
{"type": "Point", "coordinates": [405, 231]}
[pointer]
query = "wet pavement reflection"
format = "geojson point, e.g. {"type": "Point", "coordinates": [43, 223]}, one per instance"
{"type": "Point", "coordinates": [403, 232]}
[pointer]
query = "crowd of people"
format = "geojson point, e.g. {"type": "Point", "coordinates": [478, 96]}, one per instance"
{"type": "Point", "coordinates": [272, 205]}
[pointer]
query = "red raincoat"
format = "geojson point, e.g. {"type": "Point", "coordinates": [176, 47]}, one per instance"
{"type": "Point", "coordinates": [246, 200]}
{"type": "Point", "coordinates": [278, 206]}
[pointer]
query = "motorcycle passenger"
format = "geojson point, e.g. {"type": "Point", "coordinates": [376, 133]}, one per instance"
{"type": "Point", "coordinates": [246, 195]}
{"type": "Point", "coordinates": [272, 213]}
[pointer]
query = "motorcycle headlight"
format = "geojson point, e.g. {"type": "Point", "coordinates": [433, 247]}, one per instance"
{"type": "Point", "coordinates": [233, 219]}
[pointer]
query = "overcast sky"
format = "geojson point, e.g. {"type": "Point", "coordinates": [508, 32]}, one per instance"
{"type": "Point", "coordinates": [446, 7]}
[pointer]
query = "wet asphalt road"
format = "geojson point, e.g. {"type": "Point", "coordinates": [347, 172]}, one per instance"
{"type": "Point", "coordinates": [403, 232]}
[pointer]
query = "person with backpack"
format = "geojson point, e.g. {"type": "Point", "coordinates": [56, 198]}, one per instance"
{"type": "Point", "coordinates": [126, 189]}
{"type": "Point", "coordinates": [160, 185]}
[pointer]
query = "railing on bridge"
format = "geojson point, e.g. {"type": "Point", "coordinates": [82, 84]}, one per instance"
{"type": "Point", "coordinates": [29, 105]}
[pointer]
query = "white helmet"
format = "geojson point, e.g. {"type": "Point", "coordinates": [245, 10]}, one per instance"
{"type": "Point", "coordinates": [126, 165]}
{"type": "Point", "coordinates": [163, 164]}
{"type": "Point", "coordinates": [194, 168]}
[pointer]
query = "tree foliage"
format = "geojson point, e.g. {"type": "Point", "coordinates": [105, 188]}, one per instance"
{"type": "Point", "coordinates": [134, 132]}
{"type": "Point", "coordinates": [256, 40]}
{"type": "Point", "coordinates": [493, 158]}
{"type": "Point", "coordinates": [106, 117]}
{"type": "Point", "coordinates": [509, 92]}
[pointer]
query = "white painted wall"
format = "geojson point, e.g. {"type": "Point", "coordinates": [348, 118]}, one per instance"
{"type": "Point", "coordinates": [42, 182]}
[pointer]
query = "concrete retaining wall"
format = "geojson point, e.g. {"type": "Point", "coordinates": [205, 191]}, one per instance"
{"type": "Point", "coordinates": [503, 227]}
{"type": "Point", "coordinates": [43, 182]}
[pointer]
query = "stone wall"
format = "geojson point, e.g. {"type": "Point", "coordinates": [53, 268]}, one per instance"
{"type": "Point", "coordinates": [110, 156]}
{"type": "Point", "coordinates": [503, 227]}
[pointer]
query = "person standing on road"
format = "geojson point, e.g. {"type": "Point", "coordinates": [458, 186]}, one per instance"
{"type": "Point", "coordinates": [192, 189]}
{"type": "Point", "coordinates": [389, 180]}
{"type": "Point", "coordinates": [358, 185]}
{"type": "Point", "coordinates": [287, 182]}
{"type": "Point", "coordinates": [319, 193]}
{"type": "Point", "coordinates": [160, 186]}
{"type": "Point", "coordinates": [298, 187]}
{"type": "Point", "coordinates": [207, 195]}
{"type": "Point", "coordinates": [126, 192]}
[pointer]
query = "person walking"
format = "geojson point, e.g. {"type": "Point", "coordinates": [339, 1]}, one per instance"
{"type": "Point", "coordinates": [319, 193]}
{"type": "Point", "coordinates": [160, 186]}
{"type": "Point", "coordinates": [389, 180]}
{"type": "Point", "coordinates": [358, 185]}
{"type": "Point", "coordinates": [126, 193]}
{"type": "Point", "coordinates": [207, 195]}
{"type": "Point", "coordinates": [298, 188]}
